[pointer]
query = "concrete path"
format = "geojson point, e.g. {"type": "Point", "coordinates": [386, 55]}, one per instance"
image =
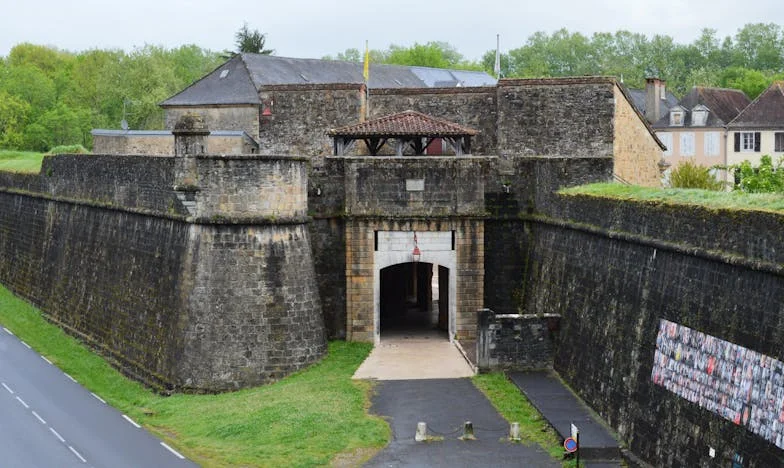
{"type": "Point", "coordinates": [445, 404]}
{"type": "Point", "coordinates": [561, 408]}
{"type": "Point", "coordinates": [405, 357]}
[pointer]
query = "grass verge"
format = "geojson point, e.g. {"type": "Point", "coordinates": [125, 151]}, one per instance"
{"type": "Point", "coordinates": [515, 407]}
{"type": "Point", "coordinates": [708, 198]}
{"type": "Point", "coordinates": [20, 161]}
{"type": "Point", "coordinates": [307, 419]}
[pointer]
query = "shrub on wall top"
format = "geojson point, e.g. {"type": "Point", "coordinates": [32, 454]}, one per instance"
{"type": "Point", "coordinates": [690, 175]}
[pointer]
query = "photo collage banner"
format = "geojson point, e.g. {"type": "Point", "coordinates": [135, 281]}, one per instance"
{"type": "Point", "coordinates": [734, 382]}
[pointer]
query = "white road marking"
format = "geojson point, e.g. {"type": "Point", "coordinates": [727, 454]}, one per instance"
{"type": "Point", "coordinates": [44, 358]}
{"type": "Point", "coordinates": [72, 379]}
{"type": "Point", "coordinates": [176, 453]}
{"type": "Point", "coordinates": [77, 454]}
{"type": "Point", "coordinates": [131, 421]}
{"type": "Point", "coordinates": [8, 388]}
{"type": "Point", "coordinates": [28, 346]}
{"type": "Point", "coordinates": [23, 403]}
{"type": "Point", "coordinates": [99, 398]}
{"type": "Point", "coordinates": [57, 435]}
{"type": "Point", "coordinates": [39, 417]}
{"type": "Point", "coordinates": [8, 331]}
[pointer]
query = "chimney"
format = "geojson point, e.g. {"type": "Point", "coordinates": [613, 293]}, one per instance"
{"type": "Point", "coordinates": [654, 94]}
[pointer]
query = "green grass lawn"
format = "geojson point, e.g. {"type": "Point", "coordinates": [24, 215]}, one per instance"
{"type": "Point", "coordinates": [515, 407]}
{"type": "Point", "coordinates": [306, 419]}
{"type": "Point", "coordinates": [707, 198]}
{"type": "Point", "coordinates": [20, 161]}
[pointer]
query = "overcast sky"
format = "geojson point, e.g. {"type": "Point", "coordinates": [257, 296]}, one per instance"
{"type": "Point", "coordinates": [314, 28]}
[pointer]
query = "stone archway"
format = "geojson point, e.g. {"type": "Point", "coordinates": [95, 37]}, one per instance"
{"type": "Point", "coordinates": [391, 261]}
{"type": "Point", "coordinates": [414, 300]}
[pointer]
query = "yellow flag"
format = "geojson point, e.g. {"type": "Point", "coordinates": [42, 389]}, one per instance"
{"type": "Point", "coordinates": [366, 69]}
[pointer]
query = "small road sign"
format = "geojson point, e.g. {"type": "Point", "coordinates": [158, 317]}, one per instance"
{"type": "Point", "coordinates": [570, 445]}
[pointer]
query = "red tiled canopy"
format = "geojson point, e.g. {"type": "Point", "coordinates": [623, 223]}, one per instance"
{"type": "Point", "coordinates": [404, 124]}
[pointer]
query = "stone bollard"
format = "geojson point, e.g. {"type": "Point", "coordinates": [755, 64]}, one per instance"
{"type": "Point", "coordinates": [514, 432]}
{"type": "Point", "coordinates": [421, 432]}
{"type": "Point", "coordinates": [468, 431]}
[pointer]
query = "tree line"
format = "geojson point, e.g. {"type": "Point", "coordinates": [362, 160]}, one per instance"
{"type": "Point", "coordinates": [51, 97]}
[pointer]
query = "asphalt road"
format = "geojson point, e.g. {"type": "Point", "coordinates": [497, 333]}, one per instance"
{"type": "Point", "coordinates": [445, 405]}
{"type": "Point", "coordinates": [48, 420]}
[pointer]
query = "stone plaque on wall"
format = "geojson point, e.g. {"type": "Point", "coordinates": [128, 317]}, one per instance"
{"type": "Point", "coordinates": [415, 185]}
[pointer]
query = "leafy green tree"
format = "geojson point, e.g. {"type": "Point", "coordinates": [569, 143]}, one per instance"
{"type": "Point", "coordinates": [251, 41]}
{"type": "Point", "coordinates": [13, 119]}
{"type": "Point", "coordinates": [47, 59]}
{"type": "Point", "coordinates": [31, 85]}
{"type": "Point", "coordinates": [433, 54]}
{"type": "Point", "coordinates": [61, 125]}
{"type": "Point", "coordinates": [766, 178]}
{"type": "Point", "coordinates": [760, 46]}
{"type": "Point", "coordinates": [751, 82]}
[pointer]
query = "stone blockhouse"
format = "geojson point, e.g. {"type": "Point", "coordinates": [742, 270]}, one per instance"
{"type": "Point", "coordinates": [287, 105]}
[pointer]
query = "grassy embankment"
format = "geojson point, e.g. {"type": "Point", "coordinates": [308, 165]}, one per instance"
{"type": "Point", "coordinates": [707, 198]}
{"type": "Point", "coordinates": [20, 161]}
{"type": "Point", "coordinates": [304, 420]}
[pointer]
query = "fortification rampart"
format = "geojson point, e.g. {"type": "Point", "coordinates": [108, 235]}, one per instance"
{"type": "Point", "coordinates": [673, 319]}
{"type": "Point", "coordinates": [213, 294]}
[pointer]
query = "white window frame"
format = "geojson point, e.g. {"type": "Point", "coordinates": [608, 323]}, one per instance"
{"type": "Point", "coordinates": [687, 144]}
{"type": "Point", "coordinates": [747, 142]}
{"type": "Point", "coordinates": [676, 118]}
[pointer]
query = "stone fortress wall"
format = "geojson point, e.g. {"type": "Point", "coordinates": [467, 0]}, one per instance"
{"type": "Point", "coordinates": [266, 256]}
{"type": "Point", "coordinates": [206, 288]}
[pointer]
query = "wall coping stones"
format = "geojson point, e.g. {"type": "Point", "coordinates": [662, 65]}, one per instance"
{"type": "Point", "coordinates": [526, 316]}
{"type": "Point", "coordinates": [681, 248]}
{"type": "Point", "coordinates": [412, 158]}
{"type": "Point", "coordinates": [215, 220]}
{"type": "Point", "coordinates": [312, 87]}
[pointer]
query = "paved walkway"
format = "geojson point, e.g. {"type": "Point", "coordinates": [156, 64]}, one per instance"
{"type": "Point", "coordinates": [407, 357]}
{"type": "Point", "coordinates": [445, 404]}
{"type": "Point", "coordinates": [561, 408]}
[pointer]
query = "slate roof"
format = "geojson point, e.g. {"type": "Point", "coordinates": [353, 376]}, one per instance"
{"type": "Point", "coordinates": [767, 111]}
{"type": "Point", "coordinates": [403, 124]}
{"type": "Point", "coordinates": [638, 97]}
{"type": "Point", "coordinates": [239, 80]}
{"type": "Point", "coordinates": [723, 105]}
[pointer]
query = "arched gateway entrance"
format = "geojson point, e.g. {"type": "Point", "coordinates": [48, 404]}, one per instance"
{"type": "Point", "coordinates": [414, 296]}
{"type": "Point", "coordinates": [414, 300]}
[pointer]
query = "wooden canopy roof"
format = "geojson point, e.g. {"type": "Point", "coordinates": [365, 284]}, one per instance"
{"type": "Point", "coordinates": [409, 128]}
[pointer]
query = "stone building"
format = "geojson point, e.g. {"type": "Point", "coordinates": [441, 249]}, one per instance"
{"type": "Point", "coordinates": [368, 213]}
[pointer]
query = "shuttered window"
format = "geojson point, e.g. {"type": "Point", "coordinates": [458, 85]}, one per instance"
{"type": "Point", "coordinates": [747, 142]}
{"type": "Point", "coordinates": [712, 140]}
{"type": "Point", "coordinates": [687, 144]}
{"type": "Point", "coordinates": [666, 138]}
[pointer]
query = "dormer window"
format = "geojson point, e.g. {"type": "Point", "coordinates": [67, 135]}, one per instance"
{"type": "Point", "coordinates": [699, 116]}
{"type": "Point", "coordinates": [676, 116]}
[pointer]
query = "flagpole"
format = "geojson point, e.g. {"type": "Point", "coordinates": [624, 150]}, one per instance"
{"type": "Point", "coordinates": [366, 75]}
{"type": "Point", "coordinates": [497, 68]}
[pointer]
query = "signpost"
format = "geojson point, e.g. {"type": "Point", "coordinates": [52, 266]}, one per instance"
{"type": "Point", "coordinates": [572, 444]}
